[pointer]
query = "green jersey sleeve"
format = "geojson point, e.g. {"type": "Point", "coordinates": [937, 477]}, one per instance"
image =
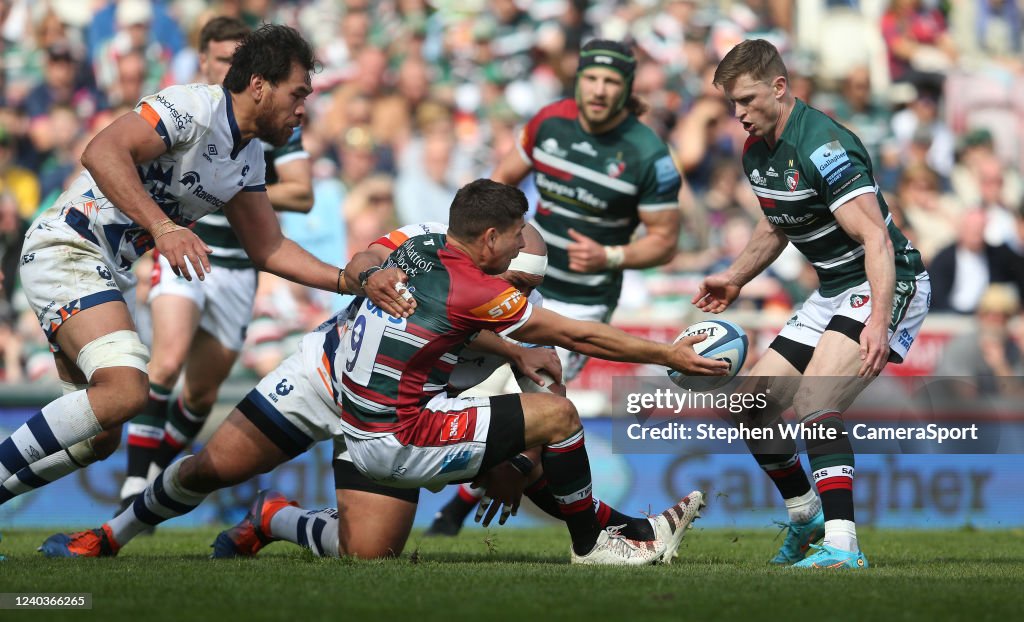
{"type": "Point", "coordinates": [839, 167]}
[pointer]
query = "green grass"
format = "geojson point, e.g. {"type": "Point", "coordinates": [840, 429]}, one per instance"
{"type": "Point", "coordinates": [506, 574]}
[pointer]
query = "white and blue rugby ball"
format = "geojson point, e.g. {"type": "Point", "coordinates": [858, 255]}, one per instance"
{"type": "Point", "coordinates": [725, 342]}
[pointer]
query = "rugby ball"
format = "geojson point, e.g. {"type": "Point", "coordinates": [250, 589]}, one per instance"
{"type": "Point", "coordinates": [725, 342]}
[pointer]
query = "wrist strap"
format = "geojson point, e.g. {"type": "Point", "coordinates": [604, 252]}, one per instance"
{"type": "Point", "coordinates": [522, 464]}
{"type": "Point", "coordinates": [341, 277]}
{"type": "Point", "coordinates": [365, 274]}
{"type": "Point", "coordinates": [615, 256]}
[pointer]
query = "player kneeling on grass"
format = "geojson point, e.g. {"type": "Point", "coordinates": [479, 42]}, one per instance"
{"type": "Point", "coordinates": [373, 520]}
{"type": "Point", "coordinates": [401, 428]}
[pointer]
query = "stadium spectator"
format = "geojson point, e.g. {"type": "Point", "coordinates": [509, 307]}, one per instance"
{"type": "Point", "coordinates": [12, 235]}
{"type": "Point", "coordinates": [919, 46]}
{"type": "Point", "coordinates": [701, 140]}
{"type": "Point", "coordinates": [929, 214]}
{"type": "Point", "coordinates": [962, 271]}
{"type": "Point", "coordinates": [1001, 227]}
{"type": "Point", "coordinates": [20, 183]}
{"type": "Point", "coordinates": [922, 135]}
{"type": "Point", "coordinates": [369, 211]}
{"type": "Point", "coordinates": [859, 111]}
{"type": "Point", "coordinates": [133, 50]}
{"type": "Point", "coordinates": [989, 351]}
{"type": "Point", "coordinates": [974, 148]}
{"type": "Point", "coordinates": [430, 169]}
{"type": "Point", "coordinates": [60, 85]}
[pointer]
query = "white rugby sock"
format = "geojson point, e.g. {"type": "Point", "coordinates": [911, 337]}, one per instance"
{"type": "Point", "coordinates": [164, 499]}
{"type": "Point", "coordinates": [61, 423]}
{"type": "Point", "coordinates": [803, 508]}
{"type": "Point", "coordinates": [316, 530]}
{"type": "Point", "coordinates": [841, 534]}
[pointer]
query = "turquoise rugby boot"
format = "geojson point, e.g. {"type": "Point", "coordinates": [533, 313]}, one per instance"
{"type": "Point", "coordinates": [799, 538]}
{"type": "Point", "coordinates": [826, 556]}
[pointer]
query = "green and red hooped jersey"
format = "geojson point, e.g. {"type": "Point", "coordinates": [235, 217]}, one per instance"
{"type": "Point", "coordinates": [816, 167]}
{"type": "Point", "coordinates": [386, 369]}
{"type": "Point", "coordinates": [596, 184]}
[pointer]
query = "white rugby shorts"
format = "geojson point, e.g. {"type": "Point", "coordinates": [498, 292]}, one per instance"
{"type": "Point", "coordinates": [225, 298]}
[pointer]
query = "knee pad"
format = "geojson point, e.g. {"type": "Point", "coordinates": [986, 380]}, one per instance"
{"type": "Point", "coordinates": [121, 348]}
{"type": "Point", "coordinates": [82, 452]}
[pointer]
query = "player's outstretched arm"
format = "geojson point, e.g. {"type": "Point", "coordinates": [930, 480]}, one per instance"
{"type": "Point", "coordinates": [111, 158]}
{"type": "Point", "coordinates": [603, 341]}
{"type": "Point", "coordinates": [253, 219]}
{"type": "Point", "coordinates": [861, 219]}
{"type": "Point", "coordinates": [719, 290]}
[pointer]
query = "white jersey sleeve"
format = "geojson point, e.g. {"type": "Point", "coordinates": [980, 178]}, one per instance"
{"type": "Point", "coordinates": [179, 114]}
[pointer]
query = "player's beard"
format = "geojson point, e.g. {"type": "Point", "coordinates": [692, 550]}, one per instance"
{"type": "Point", "coordinates": [272, 132]}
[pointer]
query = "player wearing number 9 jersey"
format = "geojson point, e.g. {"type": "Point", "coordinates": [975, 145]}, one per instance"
{"type": "Point", "coordinates": [401, 428]}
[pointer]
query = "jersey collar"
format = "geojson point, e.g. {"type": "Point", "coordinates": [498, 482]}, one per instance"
{"type": "Point", "coordinates": [236, 134]}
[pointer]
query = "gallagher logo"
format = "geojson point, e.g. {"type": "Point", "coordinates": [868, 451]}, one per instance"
{"type": "Point", "coordinates": [859, 300]}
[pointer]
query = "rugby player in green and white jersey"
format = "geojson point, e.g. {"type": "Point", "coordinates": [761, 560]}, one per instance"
{"type": "Point", "coordinates": [600, 173]}
{"type": "Point", "coordinates": [200, 326]}
{"type": "Point", "coordinates": [815, 184]}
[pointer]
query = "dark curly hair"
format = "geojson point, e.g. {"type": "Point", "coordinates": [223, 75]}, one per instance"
{"type": "Point", "coordinates": [268, 52]}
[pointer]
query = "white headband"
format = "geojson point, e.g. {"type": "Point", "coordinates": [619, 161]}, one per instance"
{"type": "Point", "coordinates": [528, 263]}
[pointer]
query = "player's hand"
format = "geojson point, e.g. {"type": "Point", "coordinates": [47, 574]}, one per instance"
{"type": "Point", "coordinates": [180, 244]}
{"type": "Point", "coordinates": [585, 255]}
{"type": "Point", "coordinates": [504, 485]}
{"type": "Point", "coordinates": [716, 293]}
{"type": "Point", "coordinates": [530, 361]}
{"type": "Point", "coordinates": [874, 348]}
{"type": "Point", "coordinates": [387, 289]}
{"type": "Point", "coordinates": [686, 361]}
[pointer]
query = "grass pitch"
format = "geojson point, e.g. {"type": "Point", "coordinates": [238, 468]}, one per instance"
{"type": "Point", "coordinates": [523, 575]}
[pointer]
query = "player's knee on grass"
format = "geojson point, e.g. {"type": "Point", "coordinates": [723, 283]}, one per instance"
{"type": "Point", "coordinates": [374, 520]}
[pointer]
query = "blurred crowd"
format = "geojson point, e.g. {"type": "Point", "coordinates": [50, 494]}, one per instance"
{"type": "Point", "coordinates": [417, 97]}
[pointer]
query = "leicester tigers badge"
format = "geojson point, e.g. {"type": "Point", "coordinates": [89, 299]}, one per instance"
{"type": "Point", "coordinates": [792, 177]}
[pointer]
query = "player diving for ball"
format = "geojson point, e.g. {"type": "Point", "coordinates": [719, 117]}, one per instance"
{"type": "Point", "coordinates": [381, 383]}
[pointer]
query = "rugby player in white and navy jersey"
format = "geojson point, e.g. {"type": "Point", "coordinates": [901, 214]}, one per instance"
{"type": "Point", "coordinates": [382, 383]}
{"type": "Point", "coordinates": [183, 153]}
{"type": "Point", "coordinates": [200, 327]}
